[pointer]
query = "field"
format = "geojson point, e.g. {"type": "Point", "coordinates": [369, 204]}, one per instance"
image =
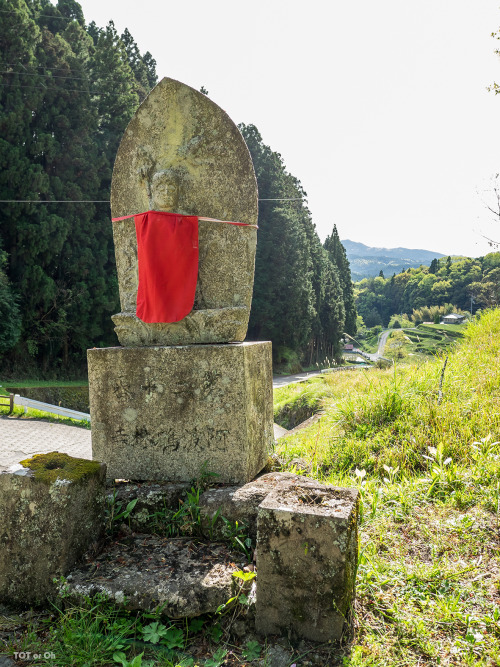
{"type": "Point", "coordinates": [421, 442]}
{"type": "Point", "coordinates": [426, 339]}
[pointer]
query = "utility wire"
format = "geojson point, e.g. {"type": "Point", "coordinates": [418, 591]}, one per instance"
{"type": "Point", "coordinates": [54, 76]}
{"type": "Point", "coordinates": [93, 201]}
{"type": "Point", "coordinates": [68, 90]}
{"type": "Point", "coordinates": [54, 201]}
{"type": "Point", "coordinates": [47, 16]}
{"type": "Point", "coordinates": [61, 89]}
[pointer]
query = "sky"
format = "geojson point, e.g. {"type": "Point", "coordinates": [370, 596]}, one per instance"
{"type": "Point", "coordinates": [380, 109]}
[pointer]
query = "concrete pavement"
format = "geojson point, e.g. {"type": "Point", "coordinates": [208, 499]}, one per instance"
{"type": "Point", "coordinates": [22, 438]}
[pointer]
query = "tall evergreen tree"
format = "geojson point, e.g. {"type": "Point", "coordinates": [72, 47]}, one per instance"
{"type": "Point", "coordinates": [298, 302]}
{"type": "Point", "coordinates": [66, 98]}
{"type": "Point", "coordinates": [338, 257]}
{"type": "Point", "coordinates": [143, 68]}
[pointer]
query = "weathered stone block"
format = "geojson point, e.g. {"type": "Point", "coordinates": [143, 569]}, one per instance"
{"type": "Point", "coordinates": [51, 512]}
{"type": "Point", "coordinates": [223, 292]}
{"type": "Point", "coordinates": [183, 577]}
{"type": "Point", "coordinates": [306, 560]}
{"type": "Point", "coordinates": [167, 413]}
{"type": "Point", "coordinates": [239, 503]}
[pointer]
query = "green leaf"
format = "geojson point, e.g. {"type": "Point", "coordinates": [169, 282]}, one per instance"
{"type": "Point", "coordinates": [217, 659]}
{"type": "Point", "coordinates": [130, 507]}
{"type": "Point", "coordinates": [244, 576]}
{"type": "Point", "coordinates": [215, 633]}
{"type": "Point", "coordinates": [154, 632]}
{"type": "Point", "coordinates": [195, 625]}
{"type": "Point", "coordinates": [252, 650]}
{"type": "Point", "coordinates": [174, 638]}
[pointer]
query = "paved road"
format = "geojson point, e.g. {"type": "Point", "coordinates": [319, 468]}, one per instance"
{"type": "Point", "coordinates": [22, 438]}
{"type": "Point", "coordinates": [381, 344]}
{"type": "Point", "coordinates": [283, 380]}
{"type": "Point", "coordinates": [383, 340]}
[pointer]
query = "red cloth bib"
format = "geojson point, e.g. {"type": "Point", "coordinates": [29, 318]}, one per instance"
{"type": "Point", "coordinates": [167, 252]}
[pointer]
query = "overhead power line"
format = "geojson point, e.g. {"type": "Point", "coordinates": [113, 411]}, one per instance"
{"type": "Point", "coordinates": [47, 16]}
{"type": "Point", "coordinates": [95, 201]}
{"type": "Point", "coordinates": [54, 201]}
{"type": "Point", "coordinates": [54, 76]}
{"type": "Point", "coordinates": [60, 89]}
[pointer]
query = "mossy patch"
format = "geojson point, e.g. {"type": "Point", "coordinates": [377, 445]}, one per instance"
{"type": "Point", "coordinates": [56, 465]}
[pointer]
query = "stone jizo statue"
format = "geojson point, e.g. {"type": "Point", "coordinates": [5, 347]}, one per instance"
{"type": "Point", "coordinates": [182, 154]}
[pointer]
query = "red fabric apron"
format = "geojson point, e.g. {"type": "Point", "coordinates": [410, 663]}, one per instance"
{"type": "Point", "coordinates": [167, 253]}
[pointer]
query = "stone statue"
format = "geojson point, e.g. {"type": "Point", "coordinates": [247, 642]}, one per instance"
{"type": "Point", "coordinates": [172, 400]}
{"type": "Point", "coordinates": [181, 153]}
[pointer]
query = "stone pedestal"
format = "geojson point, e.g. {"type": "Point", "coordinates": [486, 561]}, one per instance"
{"type": "Point", "coordinates": [169, 413]}
{"type": "Point", "coordinates": [306, 560]}
{"type": "Point", "coordinates": [51, 512]}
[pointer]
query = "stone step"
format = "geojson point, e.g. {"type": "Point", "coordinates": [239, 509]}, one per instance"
{"type": "Point", "coordinates": [184, 577]}
{"type": "Point", "coordinates": [234, 503]}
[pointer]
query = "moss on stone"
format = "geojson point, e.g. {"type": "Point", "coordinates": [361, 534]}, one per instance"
{"type": "Point", "coordinates": [56, 465]}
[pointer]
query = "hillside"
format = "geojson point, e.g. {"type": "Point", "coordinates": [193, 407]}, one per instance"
{"type": "Point", "coordinates": [367, 261]}
{"type": "Point", "coordinates": [426, 463]}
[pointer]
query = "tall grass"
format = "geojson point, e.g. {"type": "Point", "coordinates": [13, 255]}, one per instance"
{"type": "Point", "coordinates": [428, 470]}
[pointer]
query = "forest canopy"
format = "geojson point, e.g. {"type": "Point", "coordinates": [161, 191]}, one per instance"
{"type": "Point", "coordinates": [457, 283]}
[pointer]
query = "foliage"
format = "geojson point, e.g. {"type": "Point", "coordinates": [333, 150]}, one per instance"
{"type": "Point", "coordinates": [295, 403]}
{"type": "Point", "coordinates": [428, 474]}
{"type": "Point", "coordinates": [298, 300]}
{"type": "Point", "coordinates": [447, 285]}
{"type": "Point", "coordinates": [67, 94]}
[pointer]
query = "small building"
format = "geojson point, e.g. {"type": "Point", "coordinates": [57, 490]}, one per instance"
{"type": "Point", "coordinates": [453, 318]}
{"type": "Point", "coordinates": [348, 347]}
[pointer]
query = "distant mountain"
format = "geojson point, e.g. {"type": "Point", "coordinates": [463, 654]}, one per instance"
{"type": "Point", "coordinates": [366, 261]}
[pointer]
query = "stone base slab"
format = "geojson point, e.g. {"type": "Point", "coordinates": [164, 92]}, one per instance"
{"type": "Point", "coordinates": [170, 413]}
{"type": "Point", "coordinates": [182, 577]}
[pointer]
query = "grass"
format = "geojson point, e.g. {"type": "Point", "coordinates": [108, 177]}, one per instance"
{"type": "Point", "coordinates": [427, 340]}
{"type": "Point", "coordinates": [30, 413]}
{"type": "Point", "coordinates": [446, 328]}
{"type": "Point", "coordinates": [428, 470]}
{"type": "Point", "coordinates": [368, 342]}
{"type": "Point", "coordinates": [296, 402]}
{"type": "Point", "coordinates": [45, 383]}
{"type": "Point", "coordinates": [18, 413]}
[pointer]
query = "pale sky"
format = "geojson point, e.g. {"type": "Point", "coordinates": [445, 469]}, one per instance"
{"type": "Point", "coordinates": [380, 109]}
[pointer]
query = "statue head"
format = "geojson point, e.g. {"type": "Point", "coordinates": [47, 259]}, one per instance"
{"type": "Point", "coordinates": [165, 188]}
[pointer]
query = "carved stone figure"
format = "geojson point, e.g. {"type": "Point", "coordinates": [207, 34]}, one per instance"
{"type": "Point", "coordinates": [182, 154]}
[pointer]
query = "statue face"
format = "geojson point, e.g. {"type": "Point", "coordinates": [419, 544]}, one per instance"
{"type": "Point", "coordinates": [164, 188]}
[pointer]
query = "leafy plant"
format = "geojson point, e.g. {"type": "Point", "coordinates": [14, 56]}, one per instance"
{"type": "Point", "coordinates": [218, 658]}
{"type": "Point", "coordinates": [115, 513]}
{"type": "Point", "coordinates": [236, 533]}
{"type": "Point", "coordinates": [121, 658]}
{"type": "Point", "coordinates": [252, 650]}
{"type": "Point", "coordinates": [154, 632]}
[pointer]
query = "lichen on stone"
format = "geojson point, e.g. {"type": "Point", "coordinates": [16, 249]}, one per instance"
{"type": "Point", "coordinates": [56, 465]}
